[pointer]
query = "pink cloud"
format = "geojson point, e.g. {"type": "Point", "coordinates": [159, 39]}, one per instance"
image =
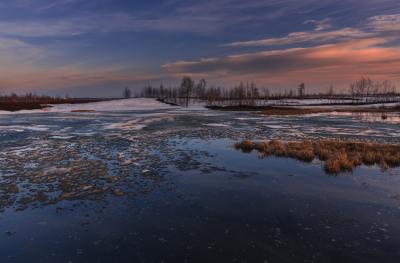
{"type": "Point", "coordinates": [339, 63]}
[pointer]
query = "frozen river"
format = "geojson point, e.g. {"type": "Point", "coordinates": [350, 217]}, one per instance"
{"type": "Point", "coordinates": [139, 181]}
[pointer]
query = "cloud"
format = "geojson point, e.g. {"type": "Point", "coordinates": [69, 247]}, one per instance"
{"type": "Point", "coordinates": [171, 16]}
{"type": "Point", "coordinates": [107, 23]}
{"type": "Point", "coordinates": [37, 5]}
{"type": "Point", "coordinates": [385, 23]}
{"type": "Point", "coordinates": [374, 27]}
{"type": "Point", "coordinates": [316, 36]}
{"type": "Point", "coordinates": [37, 33]}
{"type": "Point", "coordinates": [188, 16]}
{"type": "Point", "coordinates": [69, 77]}
{"type": "Point", "coordinates": [199, 17]}
{"type": "Point", "coordinates": [48, 6]}
{"type": "Point", "coordinates": [15, 53]}
{"type": "Point", "coordinates": [334, 62]}
{"type": "Point", "coordinates": [320, 25]}
{"type": "Point", "coordinates": [22, 70]}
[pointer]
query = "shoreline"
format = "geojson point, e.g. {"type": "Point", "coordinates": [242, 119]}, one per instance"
{"type": "Point", "coordinates": [303, 110]}
{"type": "Point", "coordinates": [21, 105]}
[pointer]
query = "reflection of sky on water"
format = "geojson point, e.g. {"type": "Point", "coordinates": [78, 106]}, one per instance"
{"type": "Point", "coordinates": [123, 186]}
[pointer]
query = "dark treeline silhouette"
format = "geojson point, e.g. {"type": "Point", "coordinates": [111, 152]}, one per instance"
{"type": "Point", "coordinates": [362, 91]}
{"type": "Point", "coordinates": [30, 101]}
{"type": "Point", "coordinates": [368, 90]}
{"type": "Point", "coordinates": [127, 93]}
{"type": "Point", "coordinates": [243, 94]}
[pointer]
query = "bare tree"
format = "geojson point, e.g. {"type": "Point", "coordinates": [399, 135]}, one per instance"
{"type": "Point", "coordinates": [331, 90]}
{"type": "Point", "coordinates": [127, 93]}
{"type": "Point", "coordinates": [265, 93]}
{"type": "Point", "coordinates": [187, 86]}
{"type": "Point", "coordinates": [200, 88]}
{"type": "Point", "coordinates": [302, 90]}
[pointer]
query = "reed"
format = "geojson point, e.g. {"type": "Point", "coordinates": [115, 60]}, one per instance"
{"type": "Point", "coordinates": [337, 156]}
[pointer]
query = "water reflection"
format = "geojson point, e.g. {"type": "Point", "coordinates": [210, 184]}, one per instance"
{"type": "Point", "coordinates": [174, 190]}
{"type": "Point", "coordinates": [384, 117]}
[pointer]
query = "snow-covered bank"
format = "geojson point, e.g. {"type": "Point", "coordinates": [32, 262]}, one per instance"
{"type": "Point", "coordinates": [136, 104]}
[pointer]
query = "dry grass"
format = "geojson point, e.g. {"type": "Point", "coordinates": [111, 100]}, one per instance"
{"type": "Point", "coordinates": [83, 111]}
{"type": "Point", "coordinates": [288, 111]}
{"type": "Point", "coordinates": [338, 156]}
{"type": "Point", "coordinates": [40, 103]}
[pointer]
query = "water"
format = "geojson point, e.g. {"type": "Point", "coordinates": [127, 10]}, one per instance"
{"type": "Point", "coordinates": [167, 186]}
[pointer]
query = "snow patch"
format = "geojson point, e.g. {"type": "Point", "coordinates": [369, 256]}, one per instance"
{"type": "Point", "coordinates": [21, 128]}
{"type": "Point", "coordinates": [216, 125]}
{"type": "Point", "coordinates": [136, 104]}
{"type": "Point", "coordinates": [140, 123]}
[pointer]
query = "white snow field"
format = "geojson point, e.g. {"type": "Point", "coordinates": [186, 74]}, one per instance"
{"type": "Point", "coordinates": [135, 104]}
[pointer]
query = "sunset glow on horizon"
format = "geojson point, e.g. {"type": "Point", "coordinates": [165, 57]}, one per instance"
{"type": "Point", "coordinates": [95, 48]}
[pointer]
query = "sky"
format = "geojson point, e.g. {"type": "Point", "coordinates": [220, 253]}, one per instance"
{"type": "Point", "coordinates": [95, 48]}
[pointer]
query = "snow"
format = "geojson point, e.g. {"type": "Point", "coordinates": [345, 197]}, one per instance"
{"type": "Point", "coordinates": [136, 104]}
{"type": "Point", "coordinates": [146, 104]}
{"type": "Point", "coordinates": [115, 105]}
{"type": "Point", "coordinates": [21, 128]}
{"type": "Point", "coordinates": [216, 125]}
{"type": "Point", "coordinates": [141, 122]}
{"type": "Point", "coordinates": [304, 103]}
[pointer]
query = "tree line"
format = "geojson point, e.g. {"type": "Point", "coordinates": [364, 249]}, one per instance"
{"type": "Point", "coordinates": [368, 90]}
{"type": "Point", "coordinates": [363, 90]}
{"type": "Point", "coordinates": [32, 98]}
{"type": "Point", "coordinates": [243, 94]}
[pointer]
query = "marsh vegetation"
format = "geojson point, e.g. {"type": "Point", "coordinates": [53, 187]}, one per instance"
{"type": "Point", "coordinates": [30, 101]}
{"type": "Point", "coordinates": [363, 91]}
{"type": "Point", "coordinates": [337, 156]}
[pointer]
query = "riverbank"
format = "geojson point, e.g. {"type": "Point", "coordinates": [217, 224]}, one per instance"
{"type": "Point", "coordinates": [13, 106]}
{"type": "Point", "coordinates": [274, 110]}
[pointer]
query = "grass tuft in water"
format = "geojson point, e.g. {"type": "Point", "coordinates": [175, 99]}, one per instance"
{"type": "Point", "coordinates": [338, 156]}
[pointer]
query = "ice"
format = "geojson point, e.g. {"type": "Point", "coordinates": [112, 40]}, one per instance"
{"type": "Point", "coordinates": [61, 137]}
{"type": "Point", "coordinates": [216, 125]}
{"type": "Point", "coordinates": [140, 122]}
{"type": "Point", "coordinates": [129, 125]}
{"type": "Point", "coordinates": [21, 128]}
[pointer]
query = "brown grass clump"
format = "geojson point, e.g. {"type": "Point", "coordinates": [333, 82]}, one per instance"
{"type": "Point", "coordinates": [287, 111]}
{"type": "Point", "coordinates": [302, 151]}
{"type": "Point", "coordinates": [392, 159]}
{"type": "Point", "coordinates": [322, 153]}
{"type": "Point", "coordinates": [290, 111]}
{"type": "Point", "coordinates": [338, 156]}
{"type": "Point", "coordinates": [338, 163]}
{"type": "Point", "coordinates": [332, 166]}
{"type": "Point", "coordinates": [83, 111]}
{"type": "Point", "coordinates": [261, 147]}
{"type": "Point", "coordinates": [278, 148]}
{"type": "Point", "coordinates": [355, 158]}
{"type": "Point", "coordinates": [246, 146]}
{"type": "Point", "coordinates": [372, 157]}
